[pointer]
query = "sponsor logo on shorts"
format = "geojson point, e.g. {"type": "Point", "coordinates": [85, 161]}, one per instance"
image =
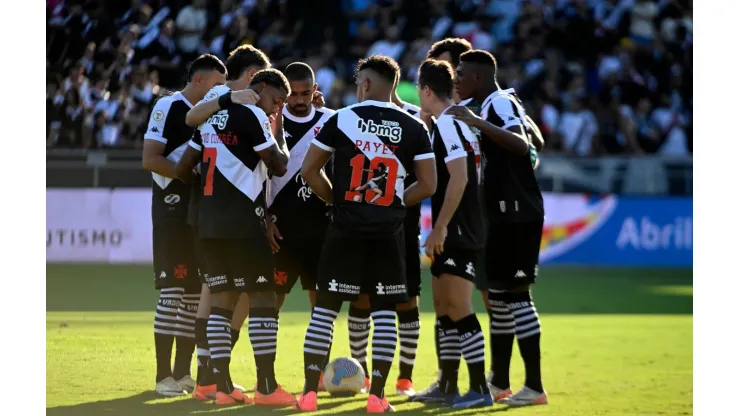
{"type": "Point", "coordinates": [469, 269]}
{"type": "Point", "coordinates": [335, 286]}
{"type": "Point", "coordinates": [280, 278]}
{"type": "Point", "coordinates": [239, 282]}
{"type": "Point", "coordinates": [390, 289]}
{"type": "Point", "coordinates": [216, 280]}
{"type": "Point", "coordinates": [181, 271]}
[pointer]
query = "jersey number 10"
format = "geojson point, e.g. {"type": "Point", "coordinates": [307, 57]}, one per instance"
{"type": "Point", "coordinates": [370, 189]}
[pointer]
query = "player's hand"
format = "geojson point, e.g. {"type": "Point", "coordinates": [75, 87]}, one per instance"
{"type": "Point", "coordinates": [434, 244]}
{"type": "Point", "coordinates": [318, 99]}
{"type": "Point", "coordinates": [245, 97]}
{"type": "Point", "coordinates": [462, 113]}
{"type": "Point", "coordinates": [273, 235]}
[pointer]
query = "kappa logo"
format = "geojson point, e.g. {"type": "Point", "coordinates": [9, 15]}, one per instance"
{"type": "Point", "coordinates": [219, 119]}
{"type": "Point", "coordinates": [154, 129]}
{"type": "Point", "coordinates": [391, 130]}
{"type": "Point", "coordinates": [261, 279]}
{"type": "Point", "coordinates": [511, 118]}
{"type": "Point", "coordinates": [450, 262]}
{"type": "Point", "coordinates": [470, 269]}
{"type": "Point", "coordinates": [520, 274]}
{"type": "Point", "coordinates": [333, 285]}
{"type": "Point", "coordinates": [313, 367]}
{"type": "Point", "coordinates": [376, 373]}
{"type": "Point", "coordinates": [163, 275]}
{"type": "Point", "coordinates": [454, 147]}
{"type": "Point", "coordinates": [172, 199]}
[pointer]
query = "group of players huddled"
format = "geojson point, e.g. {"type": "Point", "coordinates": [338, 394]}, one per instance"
{"type": "Point", "coordinates": [256, 184]}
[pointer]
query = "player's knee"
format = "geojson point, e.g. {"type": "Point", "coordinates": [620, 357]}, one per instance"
{"type": "Point", "coordinates": [407, 306]}
{"type": "Point", "coordinates": [223, 300]}
{"type": "Point", "coordinates": [519, 289]}
{"type": "Point", "coordinates": [362, 302]}
{"type": "Point", "coordinates": [263, 300]}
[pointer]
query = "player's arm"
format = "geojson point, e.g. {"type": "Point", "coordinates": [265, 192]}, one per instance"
{"type": "Point", "coordinates": [425, 170]}
{"type": "Point", "coordinates": [511, 136]}
{"type": "Point", "coordinates": [275, 159]}
{"type": "Point", "coordinates": [211, 105]}
{"type": "Point", "coordinates": [152, 158]}
{"type": "Point", "coordinates": [537, 140]}
{"type": "Point", "coordinates": [190, 159]}
{"type": "Point", "coordinates": [263, 142]}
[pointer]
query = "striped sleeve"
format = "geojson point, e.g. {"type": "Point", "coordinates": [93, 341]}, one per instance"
{"type": "Point", "coordinates": [449, 135]}
{"type": "Point", "coordinates": [158, 120]}
{"type": "Point", "coordinates": [424, 145]}
{"type": "Point", "coordinates": [503, 112]}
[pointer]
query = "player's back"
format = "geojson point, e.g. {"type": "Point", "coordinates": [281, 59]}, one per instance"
{"type": "Point", "coordinates": [369, 137]}
{"type": "Point", "coordinates": [232, 173]}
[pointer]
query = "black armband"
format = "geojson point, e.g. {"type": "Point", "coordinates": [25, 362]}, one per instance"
{"type": "Point", "coordinates": [225, 100]}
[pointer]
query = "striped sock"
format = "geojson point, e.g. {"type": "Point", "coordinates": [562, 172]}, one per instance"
{"type": "Point", "coordinates": [385, 338]}
{"type": "Point", "coordinates": [473, 347]}
{"type": "Point", "coordinates": [318, 341]}
{"type": "Point", "coordinates": [165, 327]}
{"type": "Point", "coordinates": [438, 333]}
{"type": "Point", "coordinates": [408, 333]}
{"type": "Point", "coordinates": [203, 353]}
{"type": "Point", "coordinates": [185, 335]}
{"type": "Point", "coordinates": [219, 342]}
{"type": "Point", "coordinates": [502, 338]}
{"type": "Point", "coordinates": [359, 335]}
{"type": "Point", "coordinates": [527, 336]}
{"type": "Point", "coordinates": [449, 355]}
{"type": "Point", "coordinates": [263, 330]}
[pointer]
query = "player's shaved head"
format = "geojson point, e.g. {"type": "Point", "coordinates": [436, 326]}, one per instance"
{"type": "Point", "coordinates": [480, 59]}
{"type": "Point", "coordinates": [449, 50]}
{"type": "Point", "coordinates": [376, 77]}
{"type": "Point", "coordinates": [302, 86]}
{"type": "Point", "coordinates": [299, 71]}
{"type": "Point", "coordinates": [476, 74]}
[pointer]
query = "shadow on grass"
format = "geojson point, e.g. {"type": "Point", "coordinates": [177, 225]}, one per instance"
{"type": "Point", "coordinates": [558, 290]}
{"type": "Point", "coordinates": [148, 403]}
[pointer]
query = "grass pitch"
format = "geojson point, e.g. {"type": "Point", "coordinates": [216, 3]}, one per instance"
{"type": "Point", "coordinates": [615, 342]}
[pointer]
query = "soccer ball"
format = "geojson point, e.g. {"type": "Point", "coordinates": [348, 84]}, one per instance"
{"type": "Point", "coordinates": [356, 198]}
{"type": "Point", "coordinates": [344, 377]}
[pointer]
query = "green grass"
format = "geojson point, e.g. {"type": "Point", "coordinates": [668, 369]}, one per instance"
{"type": "Point", "coordinates": [615, 342]}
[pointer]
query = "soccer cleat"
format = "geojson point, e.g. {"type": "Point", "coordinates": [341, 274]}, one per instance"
{"type": "Point", "coordinates": [378, 405]}
{"type": "Point", "coordinates": [306, 402]}
{"type": "Point", "coordinates": [278, 398]}
{"type": "Point", "coordinates": [239, 387]}
{"type": "Point", "coordinates": [473, 399]}
{"type": "Point", "coordinates": [187, 383]}
{"type": "Point", "coordinates": [204, 393]}
{"type": "Point", "coordinates": [234, 398]}
{"type": "Point", "coordinates": [405, 387]}
{"type": "Point", "coordinates": [366, 386]}
{"type": "Point", "coordinates": [433, 394]}
{"type": "Point", "coordinates": [321, 382]}
{"type": "Point", "coordinates": [169, 388]}
{"type": "Point", "coordinates": [498, 394]}
{"type": "Point", "coordinates": [525, 397]}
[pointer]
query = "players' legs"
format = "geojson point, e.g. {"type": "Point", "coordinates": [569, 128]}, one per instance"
{"type": "Point", "coordinates": [385, 338]}
{"type": "Point", "coordinates": [241, 311]}
{"type": "Point", "coordinates": [319, 336]}
{"type": "Point", "coordinates": [409, 326]}
{"type": "Point", "coordinates": [203, 354]}
{"type": "Point", "coordinates": [263, 330]}
{"type": "Point", "coordinates": [448, 339]}
{"type": "Point", "coordinates": [502, 340]}
{"type": "Point", "coordinates": [527, 327]}
{"type": "Point", "coordinates": [165, 327]}
{"type": "Point", "coordinates": [358, 323]}
{"type": "Point", "coordinates": [185, 336]}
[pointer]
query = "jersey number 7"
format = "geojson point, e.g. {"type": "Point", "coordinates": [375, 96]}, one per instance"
{"type": "Point", "coordinates": [209, 156]}
{"type": "Point", "coordinates": [380, 193]}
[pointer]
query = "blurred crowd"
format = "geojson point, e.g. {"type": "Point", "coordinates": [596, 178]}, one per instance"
{"type": "Point", "coordinates": [598, 76]}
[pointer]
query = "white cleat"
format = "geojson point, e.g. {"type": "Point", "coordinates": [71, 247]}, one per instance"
{"type": "Point", "coordinates": [525, 397]}
{"type": "Point", "coordinates": [187, 383]}
{"type": "Point", "coordinates": [497, 393]}
{"type": "Point", "coordinates": [169, 388]}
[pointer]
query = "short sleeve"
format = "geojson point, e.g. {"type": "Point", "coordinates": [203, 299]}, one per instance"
{"type": "Point", "coordinates": [450, 145]}
{"type": "Point", "coordinates": [196, 142]}
{"type": "Point", "coordinates": [214, 93]}
{"type": "Point", "coordinates": [259, 129]}
{"type": "Point", "coordinates": [327, 136]}
{"type": "Point", "coordinates": [157, 120]}
{"type": "Point", "coordinates": [501, 112]}
{"type": "Point", "coordinates": [423, 148]}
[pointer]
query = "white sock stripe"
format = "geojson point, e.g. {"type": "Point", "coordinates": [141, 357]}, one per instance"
{"type": "Point", "coordinates": [252, 319]}
{"type": "Point", "coordinates": [218, 341]}
{"type": "Point", "coordinates": [359, 320]}
{"type": "Point", "coordinates": [505, 317]}
{"type": "Point", "coordinates": [166, 309]}
{"type": "Point", "coordinates": [187, 313]}
{"type": "Point", "coordinates": [217, 331]}
{"type": "Point", "coordinates": [219, 318]}
{"type": "Point", "coordinates": [326, 311]}
{"type": "Point", "coordinates": [496, 291]}
{"type": "Point", "coordinates": [523, 311]}
{"type": "Point", "coordinates": [217, 356]}
{"type": "Point", "coordinates": [383, 321]}
{"type": "Point", "coordinates": [505, 311]}
{"type": "Point", "coordinates": [172, 290]}
{"type": "Point", "coordinates": [495, 324]}
{"type": "Point", "coordinates": [522, 328]}
{"type": "Point", "coordinates": [315, 323]}
{"type": "Point", "coordinates": [162, 317]}
{"type": "Point", "coordinates": [217, 348]}
{"type": "Point", "coordinates": [184, 334]}
{"type": "Point", "coordinates": [528, 334]}
{"type": "Point", "coordinates": [472, 339]}
{"type": "Point", "coordinates": [319, 330]}
{"type": "Point", "coordinates": [382, 350]}
{"type": "Point", "coordinates": [313, 351]}
{"type": "Point", "coordinates": [383, 358]}
{"type": "Point", "coordinates": [163, 332]}
{"type": "Point", "coordinates": [272, 351]}
{"type": "Point", "coordinates": [323, 319]}
{"type": "Point", "coordinates": [503, 331]}
{"type": "Point", "coordinates": [448, 338]}
{"type": "Point", "coordinates": [262, 331]}
{"type": "Point", "coordinates": [409, 332]}
{"type": "Point", "coordinates": [408, 361]}
{"type": "Point", "coordinates": [324, 345]}
{"type": "Point", "coordinates": [527, 319]}
{"type": "Point", "coordinates": [358, 344]}
{"type": "Point", "coordinates": [182, 321]}
{"type": "Point", "coordinates": [383, 314]}
{"type": "Point", "coordinates": [473, 349]}
{"type": "Point", "coordinates": [203, 352]}
{"type": "Point", "coordinates": [265, 338]}
{"type": "Point", "coordinates": [409, 342]}
{"type": "Point", "coordinates": [407, 350]}
{"type": "Point", "coordinates": [475, 360]}
{"type": "Point", "coordinates": [450, 357]}
{"type": "Point", "coordinates": [455, 351]}
{"type": "Point", "coordinates": [358, 355]}
{"type": "Point", "coordinates": [170, 296]}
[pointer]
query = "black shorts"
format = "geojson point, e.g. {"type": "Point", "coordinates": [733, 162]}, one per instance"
{"type": "Point", "coordinates": [350, 265]}
{"type": "Point", "coordinates": [413, 261]}
{"type": "Point", "coordinates": [512, 253]}
{"type": "Point", "coordinates": [239, 264]}
{"type": "Point", "coordinates": [457, 262]}
{"type": "Point", "coordinates": [481, 277]}
{"type": "Point", "coordinates": [175, 264]}
{"type": "Point", "coordinates": [200, 256]}
{"type": "Point", "coordinates": [297, 258]}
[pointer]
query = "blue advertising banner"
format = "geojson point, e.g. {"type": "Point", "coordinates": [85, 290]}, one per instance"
{"type": "Point", "coordinates": [613, 231]}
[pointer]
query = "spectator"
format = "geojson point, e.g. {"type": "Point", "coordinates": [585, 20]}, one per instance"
{"type": "Point", "coordinates": [577, 127]}
{"type": "Point", "coordinates": [191, 24]}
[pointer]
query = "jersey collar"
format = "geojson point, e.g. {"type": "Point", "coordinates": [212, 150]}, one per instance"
{"type": "Point", "coordinates": [297, 119]}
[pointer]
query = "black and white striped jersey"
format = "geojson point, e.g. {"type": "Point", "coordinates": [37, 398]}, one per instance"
{"type": "Point", "coordinates": [412, 109]}
{"type": "Point", "coordinates": [374, 147]}
{"type": "Point", "coordinates": [197, 187]}
{"type": "Point", "coordinates": [413, 214]}
{"type": "Point", "coordinates": [170, 197]}
{"type": "Point", "coordinates": [298, 212]}
{"type": "Point", "coordinates": [511, 189]}
{"type": "Point", "coordinates": [452, 140]}
{"type": "Point", "coordinates": [232, 173]}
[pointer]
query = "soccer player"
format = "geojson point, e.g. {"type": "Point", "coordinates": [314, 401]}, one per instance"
{"type": "Point", "coordinates": [175, 265]}
{"type": "Point", "coordinates": [242, 64]}
{"type": "Point", "coordinates": [361, 137]}
{"type": "Point", "coordinates": [456, 238]}
{"type": "Point", "coordinates": [238, 149]}
{"type": "Point", "coordinates": [516, 214]}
